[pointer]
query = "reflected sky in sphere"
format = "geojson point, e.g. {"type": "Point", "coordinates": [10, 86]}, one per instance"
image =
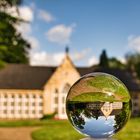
{"type": "Point", "coordinates": [100, 127]}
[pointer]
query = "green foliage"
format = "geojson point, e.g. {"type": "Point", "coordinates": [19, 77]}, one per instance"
{"type": "Point", "coordinates": [133, 62]}
{"type": "Point", "coordinates": [2, 64]}
{"type": "Point", "coordinates": [48, 116]}
{"type": "Point", "coordinates": [123, 116]}
{"type": "Point", "coordinates": [9, 3]}
{"type": "Point", "coordinates": [13, 48]}
{"type": "Point", "coordinates": [115, 63]}
{"type": "Point", "coordinates": [104, 59]}
{"type": "Point", "coordinates": [107, 62]}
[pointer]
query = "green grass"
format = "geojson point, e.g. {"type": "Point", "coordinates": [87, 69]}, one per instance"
{"type": "Point", "coordinates": [62, 130]}
{"type": "Point", "coordinates": [110, 84]}
{"type": "Point", "coordinates": [56, 130]}
{"type": "Point", "coordinates": [131, 131]}
{"type": "Point", "coordinates": [19, 123]}
{"type": "Point", "coordinates": [96, 96]}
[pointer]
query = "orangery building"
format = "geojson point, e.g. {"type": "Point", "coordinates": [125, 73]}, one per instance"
{"type": "Point", "coordinates": [29, 92]}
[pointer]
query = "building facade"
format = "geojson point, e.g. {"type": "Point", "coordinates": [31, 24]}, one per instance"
{"type": "Point", "coordinates": [29, 92]}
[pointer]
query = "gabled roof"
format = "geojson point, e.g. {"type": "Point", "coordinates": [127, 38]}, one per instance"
{"type": "Point", "coordinates": [19, 76]}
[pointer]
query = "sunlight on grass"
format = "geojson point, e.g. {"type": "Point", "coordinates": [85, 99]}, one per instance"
{"type": "Point", "coordinates": [62, 129]}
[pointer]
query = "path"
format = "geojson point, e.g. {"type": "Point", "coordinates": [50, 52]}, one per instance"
{"type": "Point", "coordinates": [16, 133]}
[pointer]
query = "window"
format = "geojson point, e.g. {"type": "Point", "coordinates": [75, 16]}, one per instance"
{"type": "Point", "coordinates": [33, 104]}
{"type": "Point", "coordinates": [135, 112]}
{"type": "Point", "coordinates": [12, 111]}
{"type": "Point", "coordinates": [12, 103]}
{"type": "Point", "coordinates": [56, 109]}
{"type": "Point", "coordinates": [5, 111]}
{"type": "Point", "coordinates": [40, 111]}
{"type": "Point", "coordinates": [40, 104]}
{"type": "Point", "coordinates": [135, 104]}
{"type": "Point", "coordinates": [33, 112]}
{"type": "Point", "coordinates": [56, 90]}
{"type": "Point", "coordinates": [66, 88]}
{"type": "Point", "coordinates": [63, 110]}
{"type": "Point", "coordinates": [135, 96]}
{"type": "Point", "coordinates": [5, 96]}
{"type": "Point", "coordinates": [56, 100]}
{"type": "Point", "coordinates": [5, 103]}
{"type": "Point", "coordinates": [63, 100]}
{"type": "Point", "coordinates": [26, 111]}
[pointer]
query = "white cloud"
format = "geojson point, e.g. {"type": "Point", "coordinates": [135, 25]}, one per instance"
{"type": "Point", "coordinates": [44, 58]}
{"type": "Point", "coordinates": [76, 56]}
{"type": "Point", "coordinates": [54, 59]}
{"type": "Point", "coordinates": [122, 59]}
{"type": "Point", "coordinates": [60, 34]}
{"type": "Point", "coordinates": [134, 42]}
{"type": "Point", "coordinates": [33, 42]}
{"type": "Point", "coordinates": [24, 28]}
{"type": "Point", "coordinates": [25, 13]}
{"type": "Point", "coordinates": [46, 16]}
{"type": "Point", "coordinates": [92, 61]}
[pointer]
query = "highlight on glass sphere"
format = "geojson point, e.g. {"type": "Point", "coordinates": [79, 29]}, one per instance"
{"type": "Point", "coordinates": [98, 105]}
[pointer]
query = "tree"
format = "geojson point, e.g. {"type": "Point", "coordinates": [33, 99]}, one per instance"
{"type": "Point", "coordinates": [133, 62]}
{"type": "Point", "coordinates": [13, 47]}
{"type": "Point", "coordinates": [104, 59]}
{"type": "Point", "coordinates": [115, 63]}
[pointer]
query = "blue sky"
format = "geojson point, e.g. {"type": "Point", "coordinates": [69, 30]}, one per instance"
{"type": "Point", "coordinates": [86, 26]}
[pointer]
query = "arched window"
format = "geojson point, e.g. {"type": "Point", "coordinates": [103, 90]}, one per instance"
{"type": "Point", "coordinates": [66, 88]}
{"type": "Point", "coordinates": [56, 90]}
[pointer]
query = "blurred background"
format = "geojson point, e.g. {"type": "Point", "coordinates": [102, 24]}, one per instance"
{"type": "Point", "coordinates": [45, 46]}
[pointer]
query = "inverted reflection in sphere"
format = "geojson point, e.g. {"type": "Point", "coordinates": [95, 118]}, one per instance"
{"type": "Point", "coordinates": [98, 105]}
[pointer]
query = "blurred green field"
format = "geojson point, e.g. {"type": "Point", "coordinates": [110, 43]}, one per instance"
{"type": "Point", "coordinates": [62, 129]}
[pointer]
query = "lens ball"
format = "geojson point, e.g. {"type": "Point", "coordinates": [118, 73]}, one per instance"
{"type": "Point", "coordinates": [98, 105]}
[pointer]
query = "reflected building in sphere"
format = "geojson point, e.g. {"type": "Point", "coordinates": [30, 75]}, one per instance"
{"type": "Point", "coordinates": [105, 108]}
{"type": "Point", "coordinates": [28, 92]}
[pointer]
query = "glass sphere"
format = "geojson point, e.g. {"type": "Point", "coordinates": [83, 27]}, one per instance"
{"type": "Point", "coordinates": [98, 105]}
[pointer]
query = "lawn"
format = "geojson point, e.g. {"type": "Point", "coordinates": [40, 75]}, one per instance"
{"type": "Point", "coordinates": [62, 130]}
{"type": "Point", "coordinates": [97, 97]}
{"type": "Point", "coordinates": [56, 130]}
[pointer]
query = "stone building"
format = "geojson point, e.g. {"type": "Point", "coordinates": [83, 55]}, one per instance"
{"type": "Point", "coordinates": [28, 92]}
